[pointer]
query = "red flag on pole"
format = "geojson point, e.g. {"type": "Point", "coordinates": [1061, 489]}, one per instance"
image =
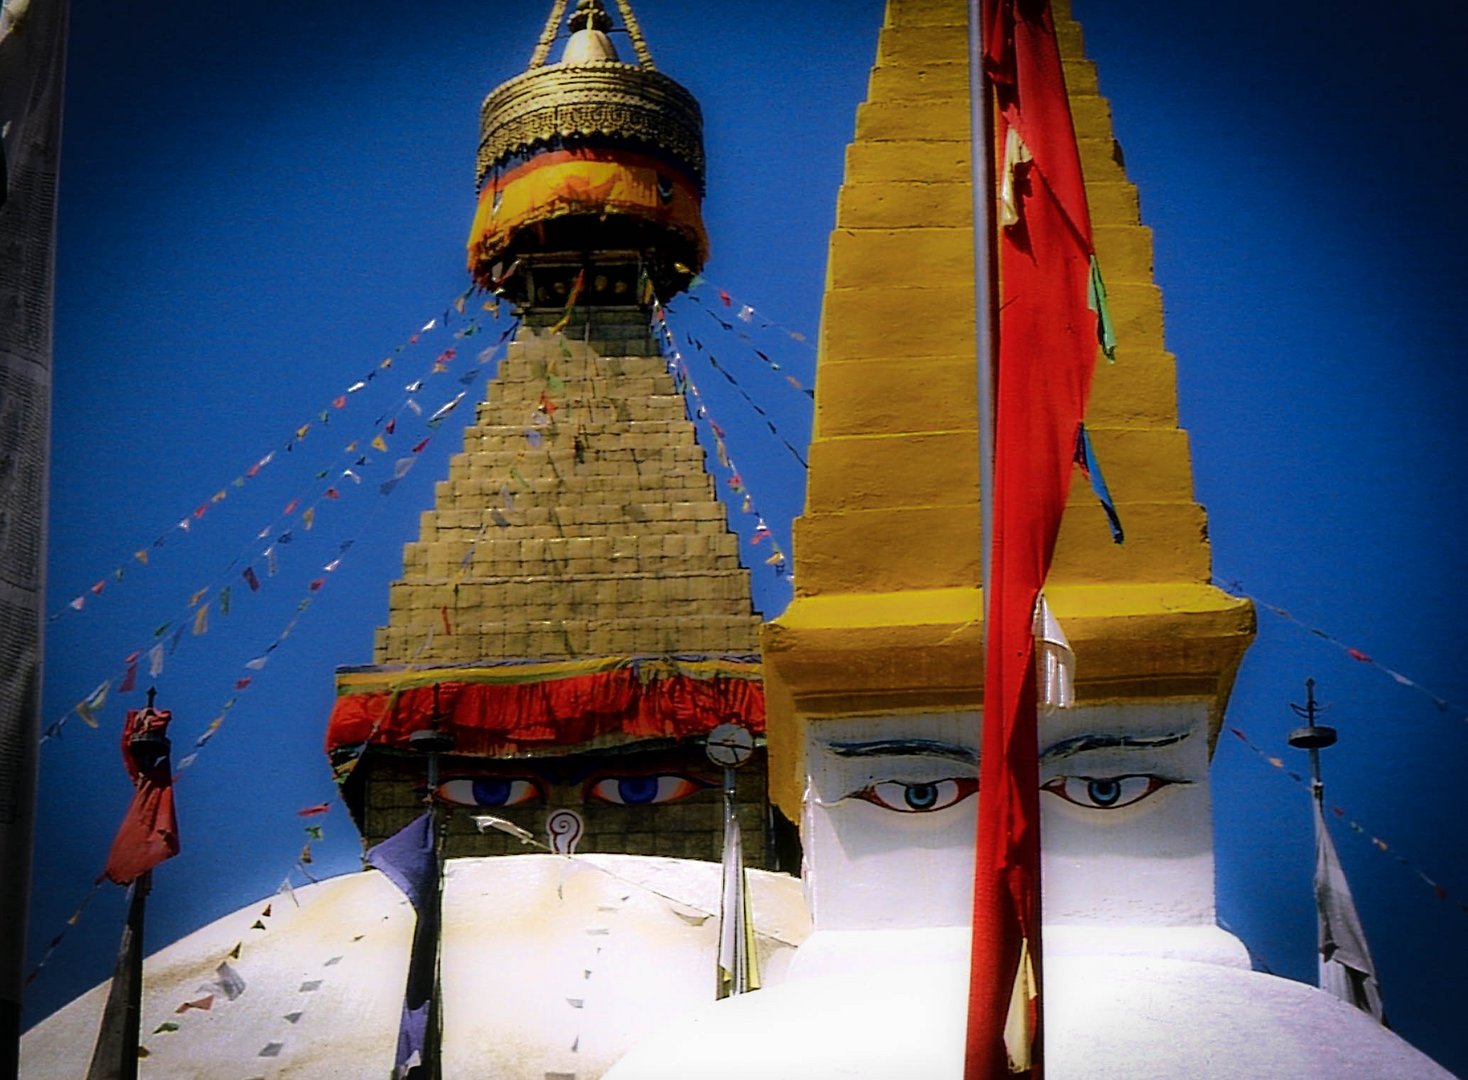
{"type": "Point", "coordinates": [1046, 352]}
{"type": "Point", "coordinates": [149, 831]}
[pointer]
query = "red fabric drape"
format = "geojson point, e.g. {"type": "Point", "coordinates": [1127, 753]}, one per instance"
{"type": "Point", "coordinates": [488, 717]}
{"type": "Point", "coordinates": [1047, 346]}
{"type": "Point", "coordinates": [149, 830]}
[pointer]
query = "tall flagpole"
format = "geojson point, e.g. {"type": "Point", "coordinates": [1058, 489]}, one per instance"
{"type": "Point", "coordinates": [981, 168]}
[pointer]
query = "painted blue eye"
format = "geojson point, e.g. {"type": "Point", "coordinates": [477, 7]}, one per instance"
{"type": "Point", "coordinates": [919, 798]}
{"type": "Point", "coordinates": [1106, 792]}
{"type": "Point", "coordinates": [643, 790]}
{"type": "Point", "coordinates": [490, 791]}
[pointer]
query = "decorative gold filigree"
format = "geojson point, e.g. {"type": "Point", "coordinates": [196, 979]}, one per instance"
{"type": "Point", "coordinates": [611, 99]}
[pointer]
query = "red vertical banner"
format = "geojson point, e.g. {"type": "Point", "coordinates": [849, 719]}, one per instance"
{"type": "Point", "coordinates": [1046, 353]}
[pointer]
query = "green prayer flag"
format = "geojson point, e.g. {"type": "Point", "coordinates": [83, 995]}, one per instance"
{"type": "Point", "coordinates": [1096, 301]}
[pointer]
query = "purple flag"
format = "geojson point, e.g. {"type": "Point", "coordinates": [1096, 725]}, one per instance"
{"type": "Point", "coordinates": [409, 859]}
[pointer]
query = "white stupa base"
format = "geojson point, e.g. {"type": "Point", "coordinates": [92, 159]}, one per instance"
{"type": "Point", "coordinates": [1127, 1017]}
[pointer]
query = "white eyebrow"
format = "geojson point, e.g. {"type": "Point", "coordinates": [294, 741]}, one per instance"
{"type": "Point", "coordinates": [904, 748]}
{"type": "Point", "coordinates": [1103, 741]}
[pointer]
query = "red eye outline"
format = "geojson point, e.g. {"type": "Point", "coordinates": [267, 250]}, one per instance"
{"type": "Point", "coordinates": [919, 798]}
{"type": "Point", "coordinates": [1128, 791]}
{"type": "Point", "coordinates": [477, 791]}
{"type": "Point", "coordinates": [669, 788]}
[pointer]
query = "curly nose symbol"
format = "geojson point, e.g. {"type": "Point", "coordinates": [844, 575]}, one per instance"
{"type": "Point", "coordinates": [564, 828]}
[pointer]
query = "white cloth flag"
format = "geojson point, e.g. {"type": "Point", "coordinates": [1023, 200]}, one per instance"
{"type": "Point", "coordinates": [738, 964]}
{"type": "Point", "coordinates": [1346, 969]}
{"type": "Point", "coordinates": [1055, 661]}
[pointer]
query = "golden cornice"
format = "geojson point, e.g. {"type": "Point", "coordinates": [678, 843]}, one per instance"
{"type": "Point", "coordinates": [610, 99]}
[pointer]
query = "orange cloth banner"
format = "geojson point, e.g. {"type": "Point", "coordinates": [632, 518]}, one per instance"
{"type": "Point", "coordinates": [558, 183]}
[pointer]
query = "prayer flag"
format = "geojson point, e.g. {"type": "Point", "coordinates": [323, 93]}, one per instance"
{"type": "Point", "coordinates": [149, 830]}
{"type": "Point", "coordinates": [409, 859]}
{"type": "Point", "coordinates": [1047, 343]}
{"type": "Point", "coordinates": [445, 409]}
{"type": "Point", "coordinates": [1085, 458]}
{"type": "Point", "coordinates": [250, 579]}
{"type": "Point", "coordinates": [201, 620]}
{"type": "Point", "coordinates": [1346, 969]}
{"type": "Point", "coordinates": [88, 708]}
{"type": "Point", "coordinates": [738, 962]}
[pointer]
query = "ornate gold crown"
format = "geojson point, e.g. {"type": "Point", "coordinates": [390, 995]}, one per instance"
{"type": "Point", "coordinates": [595, 99]}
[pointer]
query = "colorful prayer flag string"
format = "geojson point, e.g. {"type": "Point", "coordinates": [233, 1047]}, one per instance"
{"type": "Point", "coordinates": [1443, 704]}
{"type": "Point", "coordinates": [748, 342]}
{"type": "Point", "coordinates": [729, 377]}
{"type": "Point", "coordinates": [218, 594]}
{"type": "Point", "coordinates": [745, 313]}
{"type": "Point", "coordinates": [685, 385]}
{"type": "Point", "coordinates": [321, 418]}
{"type": "Point", "coordinates": [71, 920]}
{"type": "Point", "coordinates": [1339, 813]}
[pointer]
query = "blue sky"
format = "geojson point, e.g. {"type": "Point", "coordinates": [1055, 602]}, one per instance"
{"type": "Point", "coordinates": [260, 206]}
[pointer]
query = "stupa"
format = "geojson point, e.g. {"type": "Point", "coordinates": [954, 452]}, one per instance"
{"type": "Point", "coordinates": [571, 623]}
{"type": "Point", "coordinates": [873, 678]}
{"type": "Point", "coordinates": [875, 671]}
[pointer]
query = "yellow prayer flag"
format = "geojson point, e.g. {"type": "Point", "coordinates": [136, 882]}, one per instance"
{"type": "Point", "coordinates": [201, 620]}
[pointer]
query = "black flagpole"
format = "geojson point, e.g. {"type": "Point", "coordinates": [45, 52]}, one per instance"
{"type": "Point", "coordinates": [115, 1055]}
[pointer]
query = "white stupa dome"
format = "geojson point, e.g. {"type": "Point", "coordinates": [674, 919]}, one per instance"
{"type": "Point", "coordinates": [549, 966]}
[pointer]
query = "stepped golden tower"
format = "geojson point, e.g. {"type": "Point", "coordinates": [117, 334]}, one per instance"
{"type": "Point", "coordinates": [573, 617]}
{"type": "Point", "coordinates": [895, 625]}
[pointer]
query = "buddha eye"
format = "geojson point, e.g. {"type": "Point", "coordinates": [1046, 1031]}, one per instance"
{"type": "Point", "coordinates": [921, 798]}
{"type": "Point", "coordinates": [643, 790]}
{"type": "Point", "coordinates": [1106, 792]}
{"type": "Point", "coordinates": [490, 791]}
